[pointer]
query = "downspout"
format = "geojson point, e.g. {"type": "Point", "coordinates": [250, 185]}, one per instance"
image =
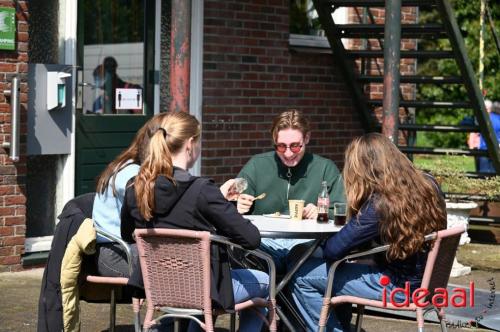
{"type": "Point", "coordinates": [180, 55]}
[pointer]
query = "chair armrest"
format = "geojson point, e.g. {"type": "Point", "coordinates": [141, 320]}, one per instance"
{"type": "Point", "coordinates": [333, 267]}
{"type": "Point", "coordinates": [124, 245]}
{"type": "Point", "coordinates": [258, 253]}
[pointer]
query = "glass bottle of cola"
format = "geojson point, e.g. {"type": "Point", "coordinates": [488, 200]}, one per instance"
{"type": "Point", "coordinates": [323, 203]}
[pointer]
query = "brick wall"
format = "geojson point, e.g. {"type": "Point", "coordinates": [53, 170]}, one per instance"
{"type": "Point", "coordinates": [12, 197]}
{"type": "Point", "coordinates": [250, 76]}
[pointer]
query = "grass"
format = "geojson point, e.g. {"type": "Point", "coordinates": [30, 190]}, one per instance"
{"type": "Point", "coordinates": [461, 163]}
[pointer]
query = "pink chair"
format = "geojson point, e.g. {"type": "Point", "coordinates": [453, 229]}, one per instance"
{"type": "Point", "coordinates": [175, 267]}
{"type": "Point", "coordinates": [435, 276]}
{"type": "Point", "coordinates": [116, 282]}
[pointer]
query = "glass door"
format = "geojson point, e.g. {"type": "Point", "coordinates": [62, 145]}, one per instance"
{"type": "Point", "coordinates": [115, 90]}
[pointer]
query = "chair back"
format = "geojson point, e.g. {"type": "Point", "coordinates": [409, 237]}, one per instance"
{"type": "Point", "coordinates": [443, 253]}
{"type": "Point", "coordinates": [175, 267]}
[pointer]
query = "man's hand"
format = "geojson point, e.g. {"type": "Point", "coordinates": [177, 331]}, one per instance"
{"type": "Point", "coordinates": [245, 203]}
{"type": "Point", "coordinates": [310, 211]}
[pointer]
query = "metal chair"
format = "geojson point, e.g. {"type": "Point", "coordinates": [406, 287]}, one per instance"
{"type": "Point", "coordinates": [116, 282]}
{"type": "Point", "coordinates": [435, 276]}
{"type": "Point", "coordinates": [175, 266]}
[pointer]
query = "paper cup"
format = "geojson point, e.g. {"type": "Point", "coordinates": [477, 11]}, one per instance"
{"type": "Point", "coordinates": [296, 208]}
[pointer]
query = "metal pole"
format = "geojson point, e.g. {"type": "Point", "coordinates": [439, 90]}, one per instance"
{"type": "Point", "coordinates": [15, 120]}
{"type": "Point", "coordinates": [180, 55]}
{"type": "Point", "coordinates": [392, 55]}
{"type": "Point", "coordinates": [481, 44]}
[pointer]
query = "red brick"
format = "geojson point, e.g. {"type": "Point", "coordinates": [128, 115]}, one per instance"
{"type": "Point", "coordinates": [7, 211]}
{"type": "Point", "coordinates": [20, 230]}
{"type": "Point", "coordinates": [10, 260]}
{"type": "Point", "coordinates": [7, 251]}
{"type": "Point", "coordinates": [10, 221]}
{"type": "Point", "coordinates": [7, 190]}
{"type": "Point", "coordinates": [14, 200]}
{"type": "Point", "coordinates": [6, 231]}
{"type": "Point", "coordinates": [13, 240]}
{"type": "Point", "coordinates": [8, 67]}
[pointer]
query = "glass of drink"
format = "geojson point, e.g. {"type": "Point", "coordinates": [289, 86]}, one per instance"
{"type": "Point", "coordinates": [339, 213]}
{"type": "Point", "coordinates": [237, 187]}
{"type": "Point", "coordinates": [240, 185]}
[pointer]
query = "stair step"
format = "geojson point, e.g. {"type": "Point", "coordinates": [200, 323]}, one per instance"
{"type": "Point", "coordinates": [463, 152]}
{"type": "Point", "coordinates": [413, 79]}
{"type": "Point", "coordinates": [377, 30]}
{"type": "Point", "coordinates": [425, 103]}
{"type": "Point", "coordinates": [377, 3]}
{"type": "Point", "coordinates": [440, 128]}
{"type": "Point", "coordinates": [404, 54]}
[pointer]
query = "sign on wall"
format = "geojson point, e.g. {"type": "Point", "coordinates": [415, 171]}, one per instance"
{"type": "Point", "coordinates": [7, 28]}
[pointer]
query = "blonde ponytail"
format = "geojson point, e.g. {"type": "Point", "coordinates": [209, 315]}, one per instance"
{"type": "Point", "coordinates": [174, 131]}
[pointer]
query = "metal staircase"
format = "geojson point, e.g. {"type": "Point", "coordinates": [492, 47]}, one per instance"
{"type": "Point", "coordinates": [356, 65]}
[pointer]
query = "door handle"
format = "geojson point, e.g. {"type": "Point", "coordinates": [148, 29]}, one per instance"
{"type": "Point", "coordinates": [15, 125]}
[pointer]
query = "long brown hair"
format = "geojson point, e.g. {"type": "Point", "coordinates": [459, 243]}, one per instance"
{"type": "Point", "coordinates": [175, 129]}
{"type": "Point", "coordinates": [408, 204]}
{"type": "Point", "coordinates": [135, 153]}
{"type": "Point", "coordinates": [292, 119]}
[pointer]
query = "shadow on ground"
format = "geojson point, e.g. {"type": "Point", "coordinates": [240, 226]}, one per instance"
{"type": "Point", "coordinates": [20, 291]}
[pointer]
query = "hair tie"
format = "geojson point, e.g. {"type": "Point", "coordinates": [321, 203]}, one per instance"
{"type": "Point", "coordinates": [163, 131]}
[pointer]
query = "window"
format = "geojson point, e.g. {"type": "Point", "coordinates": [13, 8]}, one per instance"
{"type": "Point", "coordinates": [305, 27]}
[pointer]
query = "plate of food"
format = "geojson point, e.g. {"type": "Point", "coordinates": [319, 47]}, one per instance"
{"type": "Point", "coordinates": [277, 215]}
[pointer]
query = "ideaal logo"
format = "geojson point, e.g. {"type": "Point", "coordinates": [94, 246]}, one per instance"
{"type": "Point", "coordinates": [440, 298]}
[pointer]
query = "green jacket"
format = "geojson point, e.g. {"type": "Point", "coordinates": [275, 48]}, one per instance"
{"type": "Point", "coordinates": [266, 173]}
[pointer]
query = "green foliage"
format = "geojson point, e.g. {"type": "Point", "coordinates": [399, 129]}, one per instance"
{"type": "Point", "coordinates": [467, 15]}
{"type": "Point", "coordinates": [453, 179]}
{"type": "Point", "coordinates": [463, 164]}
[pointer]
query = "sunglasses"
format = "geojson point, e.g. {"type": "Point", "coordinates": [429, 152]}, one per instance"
{"type": "Point", "coordinates": [294, 147]}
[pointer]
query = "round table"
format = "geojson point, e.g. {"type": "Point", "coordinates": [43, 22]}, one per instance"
{"type": "Point", "coordinates": [278, 227]}
{"type": "Point", "coordinates": [282, 227]}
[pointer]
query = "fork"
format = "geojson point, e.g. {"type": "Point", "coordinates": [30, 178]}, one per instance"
{"type": "Point", "coordinates": [261, 196]}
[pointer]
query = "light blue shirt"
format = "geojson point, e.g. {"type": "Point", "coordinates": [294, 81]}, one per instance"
{"type": "Point", "coordinates": [107, 208]}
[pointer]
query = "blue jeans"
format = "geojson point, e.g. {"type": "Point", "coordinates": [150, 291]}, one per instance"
{"type": "Point", "coordinates": [247, 284]}
{"type": "Point", "coordinates": [279, 250]}
{"type": "Point", "coordinates": [308, 286]}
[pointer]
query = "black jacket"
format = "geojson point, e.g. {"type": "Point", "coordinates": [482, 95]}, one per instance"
{"type": "Point", "coordinates": [50, 303]}
{"type": "Point", "coordinates": [197, 204]}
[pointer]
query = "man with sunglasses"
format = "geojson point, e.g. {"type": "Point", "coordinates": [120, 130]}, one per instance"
{"type": "Point", "coordinates": [289, 172]}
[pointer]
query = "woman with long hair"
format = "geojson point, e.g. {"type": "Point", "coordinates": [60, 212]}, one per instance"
{"type": "Point", "coordinates": [165, 195]}
{"type": "Point", "coordinates": [390, 202]}
{"type": "Point", "coordinates": [111, 261]}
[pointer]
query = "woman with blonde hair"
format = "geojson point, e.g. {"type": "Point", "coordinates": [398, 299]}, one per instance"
{"type": "Point", "coordinates": [165, 195]}
{"type": "Point", "coordinates": [389, 202]}
{"type": "Point", "coordinates": [111, 261]}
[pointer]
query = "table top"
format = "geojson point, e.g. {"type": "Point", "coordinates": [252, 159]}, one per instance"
{"type": "Point", "coordinates": [275, 227]}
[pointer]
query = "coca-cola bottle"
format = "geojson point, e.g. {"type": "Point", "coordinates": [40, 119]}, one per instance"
{"type": "Point", "coordinates": [323, 203]}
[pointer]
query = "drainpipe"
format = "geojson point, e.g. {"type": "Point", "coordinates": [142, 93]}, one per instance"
{"type": "Point", "coordinates": [180, 55]}
{"type": "Point", "coordinates": [392, 55]}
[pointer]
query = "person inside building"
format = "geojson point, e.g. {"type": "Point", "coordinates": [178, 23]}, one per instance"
{"type": "Point", "coordinates": [288, 172]}
{"type": "Point", "coordinates": [485, 163]}
{"type": "Point", "coordinates": [106, 79]}
{"type": "Point", "coordinates": [165, 195]}
{"type": "Point", "coordinates": [385, 195]}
